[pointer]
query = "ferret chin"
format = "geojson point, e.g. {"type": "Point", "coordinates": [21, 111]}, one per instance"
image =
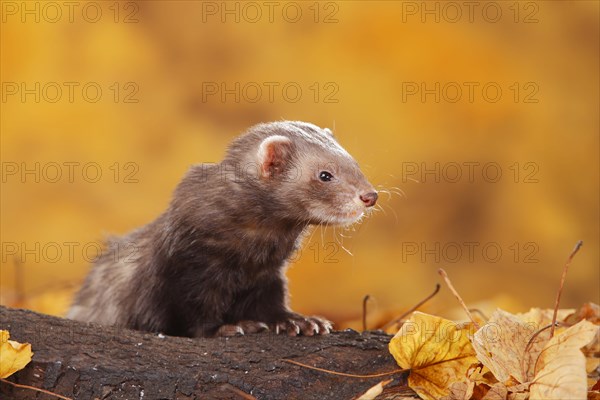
{"type": "Point", "coordinates": [213, 264]}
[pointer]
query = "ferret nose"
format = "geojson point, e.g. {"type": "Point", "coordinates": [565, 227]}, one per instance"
{"type": "Point", "coordinates": [369, 198]}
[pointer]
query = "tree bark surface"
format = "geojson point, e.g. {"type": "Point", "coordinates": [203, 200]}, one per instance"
{"type": "Point", "coordinates": [88, 361]}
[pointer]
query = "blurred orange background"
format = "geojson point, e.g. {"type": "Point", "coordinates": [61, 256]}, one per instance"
{"type": "Point", "coordinates": [481, 118]}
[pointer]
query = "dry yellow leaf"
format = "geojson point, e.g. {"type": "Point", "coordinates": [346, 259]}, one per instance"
{"type": "Point", "coordinates": [497, 392]}
{"type": "Point", "coordinates": [519, 396]}
{"type": "Point", "coordinates": [592, 395]}
{"type": "Point", "coordinates": [592, 363]}
{"type": "Point", "coordinates": [560, 369]}
{"type": "Point", "coordinates": [592, 358]}
{"type": "Point", "coordinates": [480, 374]}
{"type": "Point", "coordinates": [374, 391]}
{"type": "Point", "coordinates": [13, 355]}
{"type": "Point", "coordinates": [542, 317]}
{"type": "Point", "coordinates": [509, 347]}
{"type": "Point", "coordinates": [477, 383]}
{"type": "Point", "coordinates": [589, 311]}
{"type": "Point", "coordinates": [460, 391]}
{"type": "Point", "coordinates": [437, 351]}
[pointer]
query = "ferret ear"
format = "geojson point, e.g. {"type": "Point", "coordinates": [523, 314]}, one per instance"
{"type": "Point", "coordinates": [274, 154]}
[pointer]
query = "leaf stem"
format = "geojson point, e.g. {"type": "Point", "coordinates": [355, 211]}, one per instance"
{"type": "Point", "coordinates": [36, 389]}
{"type": "Point", "coordinates": [342, 373]}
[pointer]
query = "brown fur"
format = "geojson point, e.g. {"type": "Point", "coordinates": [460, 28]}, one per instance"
{"type": "Point", "coordinates": [214, 262]}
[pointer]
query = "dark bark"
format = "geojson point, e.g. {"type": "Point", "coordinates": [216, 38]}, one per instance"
{"type": "Point", "coordinates": [85, 361]}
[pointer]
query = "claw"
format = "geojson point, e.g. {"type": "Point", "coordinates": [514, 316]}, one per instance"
{"type": "Point", "coordinates": [297, 324]}
{"type": "Point", "coordinates": [296, 328]}
{"type": "Point", "coordinates": [241, 328]}
{"type": "Point", "coordinates": [229, 331]}
{"type": "Point", "coordinates": [316, 326]}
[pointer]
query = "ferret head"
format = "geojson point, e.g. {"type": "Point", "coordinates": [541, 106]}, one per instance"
{"type": "Point", "coordinates": [302, 174]}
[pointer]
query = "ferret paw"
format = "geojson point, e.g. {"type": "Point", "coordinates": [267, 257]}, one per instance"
{"type": "Point", "coordinates": [241, 328]}
{"type": "Point", "coordinates": [297, 324]}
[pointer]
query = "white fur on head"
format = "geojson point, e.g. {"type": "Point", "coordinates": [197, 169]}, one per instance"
{"type": "Point", "coordinates": [273, 154]}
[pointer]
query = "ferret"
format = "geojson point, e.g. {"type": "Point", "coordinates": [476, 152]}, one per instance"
{"type": "Point", "coordinates": [213, 264]}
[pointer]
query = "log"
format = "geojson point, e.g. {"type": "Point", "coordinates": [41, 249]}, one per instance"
{"type": "Point", "coordinates": [88, 361]}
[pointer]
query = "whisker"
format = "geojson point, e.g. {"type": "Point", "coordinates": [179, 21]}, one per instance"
{"type": "Point", "coordinates": [379, 208]}
{"type": "Point", "coordinates": [387, 192]}
{"type": "Point", "coordinates": [311, 235]}
{"type": "Point", "coordinates": [392, 190]}
{"type": "Point", "coordinates": [346, 250]}
{"type": "Point", "coordinates": [340, 242]}
{"type": "Point", "coordinates": [398, 191]}
{"type": "Point", "coordinates": [393, 212]}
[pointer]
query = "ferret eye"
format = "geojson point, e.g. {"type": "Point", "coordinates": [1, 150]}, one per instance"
{"type": "Point", "coordinates": [325, 176]}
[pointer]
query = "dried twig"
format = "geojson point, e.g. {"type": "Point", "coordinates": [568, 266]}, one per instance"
{"type": "Point", "coordinates": [562, 282]}
{"type": "Point", "coordinates": [455, 293]}
{"type": "Point", "coordinates": [19, 281]}
{"type": "Point", "coordinates": [412, 309]}
{"type": "Point", "coordinates": [364, 313]}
